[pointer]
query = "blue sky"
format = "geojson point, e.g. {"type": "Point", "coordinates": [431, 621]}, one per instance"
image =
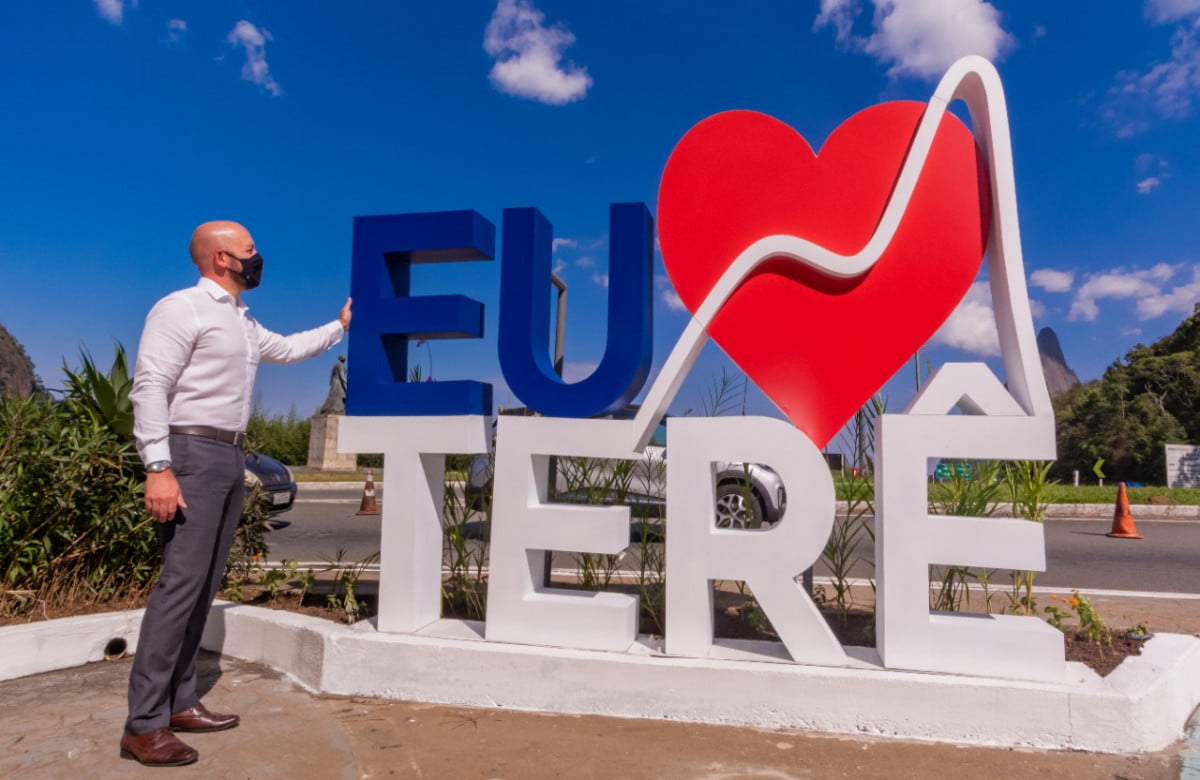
{"type": "Point", "coordinates": [130, 121]}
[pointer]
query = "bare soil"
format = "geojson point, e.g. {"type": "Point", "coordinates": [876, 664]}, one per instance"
{"type": "Point", "coordinates": [735, 616]}
{"type": "Point", "coordinates": [52, 610]}
{"type": "Point", "coordinates": [738, 617]}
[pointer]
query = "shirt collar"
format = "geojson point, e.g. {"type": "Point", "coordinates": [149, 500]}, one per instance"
{"type": "Point", "coordinates": [218, 293]}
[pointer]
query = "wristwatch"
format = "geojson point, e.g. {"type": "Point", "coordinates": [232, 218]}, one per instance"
{"type": "Point", "coordinates": [158, 466]}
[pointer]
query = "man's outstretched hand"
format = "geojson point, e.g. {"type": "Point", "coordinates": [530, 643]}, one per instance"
{"type": "Point", "coordinates": [344, 316]}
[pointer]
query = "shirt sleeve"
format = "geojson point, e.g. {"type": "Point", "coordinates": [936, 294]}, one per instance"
{"type": "Point", "coordinates": [168, 338]}
{"type": "Point", "coordinates": [274, 348]}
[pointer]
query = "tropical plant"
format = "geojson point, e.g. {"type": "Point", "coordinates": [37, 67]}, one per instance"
{"type": "Point", "coordinates": [597, 481]}
{"type": "Point", "coordinates": [1027, 482]}
{"type": "Point", "coordinates": [346, 576]}
{"type": "Point", "coordinates": [858, 488]}
{"type": "Point", "coordinates": [969, 492]}
{"type": "Point", "coordinates": [105, 396]}
{"type": "Point", "coordinates": [466, 549]}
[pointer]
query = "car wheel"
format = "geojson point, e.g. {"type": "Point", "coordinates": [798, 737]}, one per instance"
{"type": "Point", "coordinates": [739, 507]}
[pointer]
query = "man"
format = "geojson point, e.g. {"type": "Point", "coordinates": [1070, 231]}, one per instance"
{"type": "Point", "coordinates": [191, 396]}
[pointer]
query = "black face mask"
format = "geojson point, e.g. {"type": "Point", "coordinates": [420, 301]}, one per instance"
{"type": "Point", "coordinates": [251, 273]}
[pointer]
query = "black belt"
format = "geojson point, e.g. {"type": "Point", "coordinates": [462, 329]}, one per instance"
{"type": "Point", "coordinates": [229, 437]}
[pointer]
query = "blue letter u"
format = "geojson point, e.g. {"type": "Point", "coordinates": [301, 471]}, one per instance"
{"type": "Point", "coordinates": [525, 318]}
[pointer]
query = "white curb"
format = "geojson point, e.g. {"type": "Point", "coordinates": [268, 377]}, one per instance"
{"type": "Point", "coordinates": [47, 645]}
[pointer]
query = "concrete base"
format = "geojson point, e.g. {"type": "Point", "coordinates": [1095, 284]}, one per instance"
{"type": "Point", "coordinates": [322, 445]}
{"type": "Point", "coordinates": [1142, 706]}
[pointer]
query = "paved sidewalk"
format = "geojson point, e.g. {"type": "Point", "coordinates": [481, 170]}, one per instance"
{"type": "Point", "coordinates": [66, 724]}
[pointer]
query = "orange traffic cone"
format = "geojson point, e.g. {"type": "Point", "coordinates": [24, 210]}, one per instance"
{"type": "Point", "coordinates": [368, 505]}
{"type": "Point", "coordinates": [1123, 527]}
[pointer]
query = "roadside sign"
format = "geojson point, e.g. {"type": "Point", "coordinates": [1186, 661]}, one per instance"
{"type": "Point", "coordinates": [1183, 465]}
{"type": "Point", "coordinates": [948, 470]}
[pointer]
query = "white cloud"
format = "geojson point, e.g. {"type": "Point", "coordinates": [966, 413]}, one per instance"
{"type": "Point", "coordinates": [1168, 89]}
{"type": "Point", "coordinates": [971, 327]}
{"type": "Point", "coordinates": [1037, 309]}
{"type": "Point", "coordinates": [668, 294]}
{"type": "Point", "coordinates": [1163, 11]}
{"type": "Point", "coordinates": [839, 14]}
{"type": "Point", "coordinates": [1147, 162]}
{"type": "Point", "coordinates": [585, 262]}
{"type": "Point", "coordinates": [559, 243]}
{"type": "Point", "coordinates": [175, 30]}
{"type": "Point", "coordinates": [1181, 299]}
{"type": "Point", "coordinates": [253, 41]}
{"type": "Point", "coordinates": [560, 265]}
{"type": "Point", "coordinates": [673, 301]}
{"type": "Point", "coordinates": [601, 279]}
{"type": "Point", "coordinates": [1085, 310]}
{"type": "Point", "coordinates": [1120, 284]}
{"type": "Point", "coordinates": [1052, 281]}
{"type": "Point", "coordinates": [1148, 185]}
{"type": "Point", "coordinates": [919, 37]}
{"type": "Point", "coordinates": [1153, 170]}
{"type": "Point", "coordinates": [114, 10]}
{"type": "Point", "coordinates": [529, 54]}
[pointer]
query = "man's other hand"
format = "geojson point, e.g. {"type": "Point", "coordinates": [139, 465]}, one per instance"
{"type": "Point", "coordinates": [163, 496]}
{"type": "Point", "coordinates": [344, 316]}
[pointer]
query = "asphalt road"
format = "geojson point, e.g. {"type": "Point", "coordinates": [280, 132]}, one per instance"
{"type": "Point", "coordinates": [1078, 553]}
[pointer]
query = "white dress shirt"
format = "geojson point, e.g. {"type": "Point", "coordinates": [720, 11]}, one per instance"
{"type": "Point", "coordinates": [196, 363]}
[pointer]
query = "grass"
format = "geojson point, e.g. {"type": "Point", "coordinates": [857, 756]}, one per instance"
{"type": "Point", "coordinates": [358, 476]}
{"type": "Point", "coordinates": [335, 476]}
{"type": "Point", "coordinates": [1089, 494]}
{"type": "Point", "coordinates": [1094, 494]}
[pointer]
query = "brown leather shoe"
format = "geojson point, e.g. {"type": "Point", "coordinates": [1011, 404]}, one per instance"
{"type": "Point", "coordinates": [157, 748]}
{"type": "Point", "coordinates": [199, 719]}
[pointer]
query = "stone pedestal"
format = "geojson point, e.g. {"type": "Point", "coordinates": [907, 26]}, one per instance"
{"type": "Point", "coordinates": [322, 445]}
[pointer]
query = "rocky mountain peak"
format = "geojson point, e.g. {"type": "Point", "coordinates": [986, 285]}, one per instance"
{"type": "Point", "coordinates": [1059, 376]}
{"type": "Point", "coordinates": [16, 369]}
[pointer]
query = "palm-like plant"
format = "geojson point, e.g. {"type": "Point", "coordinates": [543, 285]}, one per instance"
{"type": "Point", "coordinates": [104, 396]}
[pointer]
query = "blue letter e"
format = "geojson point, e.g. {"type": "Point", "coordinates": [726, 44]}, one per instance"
{"type": "Point", "coordinates": [386, 317]}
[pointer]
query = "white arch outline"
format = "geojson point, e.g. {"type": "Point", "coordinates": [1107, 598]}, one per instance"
{"type": "Point", "coordinates": [973, 80]}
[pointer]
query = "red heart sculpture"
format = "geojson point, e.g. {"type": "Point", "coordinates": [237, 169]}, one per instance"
{"type": "Point", "coordinates": [820, 347]}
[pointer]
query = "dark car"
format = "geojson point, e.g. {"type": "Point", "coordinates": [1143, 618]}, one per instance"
{"type": "Point", "coordinates": [273, 479]}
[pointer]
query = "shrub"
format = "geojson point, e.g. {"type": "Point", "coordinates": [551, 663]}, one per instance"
{"type": "Point", "coordinates": [71, 507]}
{"type": "Point", "coordinates": [282, 437]}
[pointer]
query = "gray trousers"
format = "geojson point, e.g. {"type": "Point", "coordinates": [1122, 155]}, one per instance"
{"type": "Point", "coordinates": [195, 547]}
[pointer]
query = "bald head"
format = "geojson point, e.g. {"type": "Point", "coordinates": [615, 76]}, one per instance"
{"type": "Point", "coordinates": [216, 247]}
{"type": "Point", "coordinates": [217, 236]}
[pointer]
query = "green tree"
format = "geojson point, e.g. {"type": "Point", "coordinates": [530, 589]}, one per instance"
{"type": "Point", "coordinates": [1143, 401]}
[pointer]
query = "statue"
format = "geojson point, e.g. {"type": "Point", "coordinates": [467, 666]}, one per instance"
{"type": "Point", "coordinates": [335, 402]}
{"type": "Point", "coordinates": [323, 435]}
